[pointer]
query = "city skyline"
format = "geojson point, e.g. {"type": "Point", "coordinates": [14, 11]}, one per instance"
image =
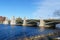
{"type": "Point", "coordinates": [29, 8]}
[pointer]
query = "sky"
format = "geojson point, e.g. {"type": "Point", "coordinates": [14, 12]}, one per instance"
{"type": "Point", "coordinates": [29, 8]}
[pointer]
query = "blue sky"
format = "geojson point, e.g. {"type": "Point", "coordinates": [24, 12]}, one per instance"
{"type": "Point", "coordinates": [28, 8]}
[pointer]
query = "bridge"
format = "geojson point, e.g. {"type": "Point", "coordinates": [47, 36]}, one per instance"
{"type": "Point", "coordinates": [52, 22]}
{"type": "Point", "coordinates": [48, 22]}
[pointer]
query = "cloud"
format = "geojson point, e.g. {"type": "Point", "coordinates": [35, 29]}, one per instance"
{"type": "Point", "coordinates": [46, 8]}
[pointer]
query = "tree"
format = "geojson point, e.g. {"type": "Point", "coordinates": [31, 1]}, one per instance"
{"type": "Point", "coordinates": [18, 20]}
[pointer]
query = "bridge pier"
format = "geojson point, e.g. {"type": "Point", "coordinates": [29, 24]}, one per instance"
{"type": "Point", "coordinates": [24, 22]}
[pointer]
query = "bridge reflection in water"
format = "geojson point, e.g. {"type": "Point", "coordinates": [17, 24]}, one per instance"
{"type": "Point", "coordinates": [8, 32]}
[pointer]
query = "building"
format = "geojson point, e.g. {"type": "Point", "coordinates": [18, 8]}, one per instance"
{"type": "Point", "coordinates": [2, 19]}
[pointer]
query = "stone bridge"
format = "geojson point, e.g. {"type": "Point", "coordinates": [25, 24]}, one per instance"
{"type": "Point", "coordinates": [52, 22]}
{"type": "Point", "coordinates": [48, 22]}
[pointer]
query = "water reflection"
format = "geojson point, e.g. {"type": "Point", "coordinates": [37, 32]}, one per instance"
{"type": "Point", "coordinates": [42, 29]}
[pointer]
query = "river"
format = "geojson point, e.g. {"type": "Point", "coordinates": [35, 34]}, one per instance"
{"type": "Point", "coordinates": [8, 32]}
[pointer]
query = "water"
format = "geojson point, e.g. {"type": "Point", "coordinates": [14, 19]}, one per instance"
{"type": "Point", "coordinates": [58, 26]}
{"type": "Point", "coordinates": [8, 32]}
